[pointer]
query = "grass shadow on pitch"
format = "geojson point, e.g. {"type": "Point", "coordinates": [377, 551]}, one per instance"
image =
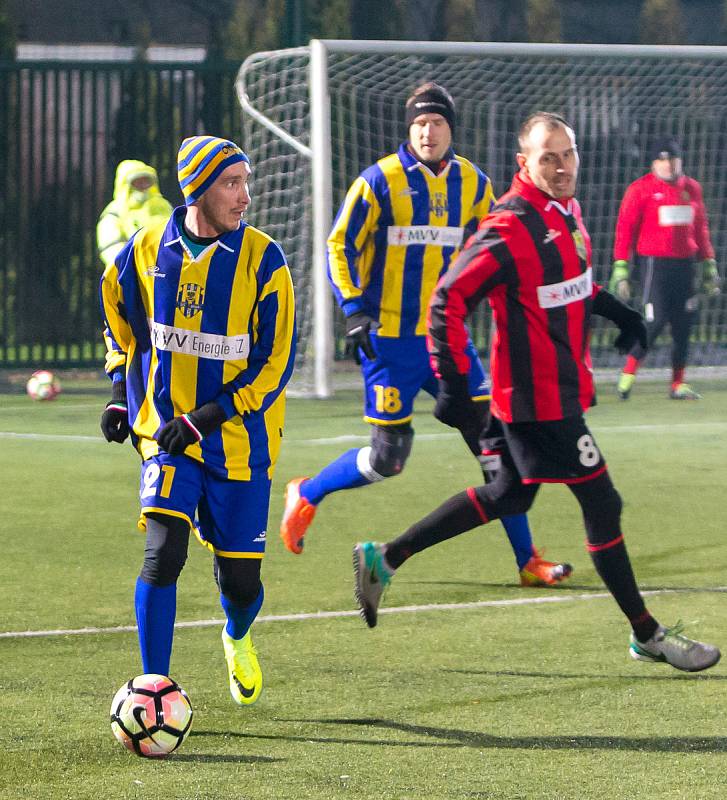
{"type": "Point", "coordinates": [316, 739]}
{"type": "Point", "coordinates": [671, 676]}
{"type": "Point", "coordinates": [218, 758]}
{"type": "Point", "coordinates": [436, 736]}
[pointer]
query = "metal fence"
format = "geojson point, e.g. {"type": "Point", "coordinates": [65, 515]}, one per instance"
{"type": "Point", "coordinates": [63, 129]}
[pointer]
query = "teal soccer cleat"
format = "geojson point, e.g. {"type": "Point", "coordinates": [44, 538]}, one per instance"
{"type": "Point", "coordinates": [371, 576]}
{"type": "Point", "coordinates": [670, 646]}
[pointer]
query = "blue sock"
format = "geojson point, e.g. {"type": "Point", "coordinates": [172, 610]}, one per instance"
{"type": "Point", "coordinates": [521, 540]}
{"type": "Point", "coordinates": [240, 618]}
{"type": "Point", "coordinates": [339, 474]}
{"type": "Point", "coordinates": [156, 608]}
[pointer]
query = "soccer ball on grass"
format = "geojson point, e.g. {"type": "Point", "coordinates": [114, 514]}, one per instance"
{"type": "Point", "coordinates": [151, 715]}
{"type": "Point", "coordinates": [43, 385]}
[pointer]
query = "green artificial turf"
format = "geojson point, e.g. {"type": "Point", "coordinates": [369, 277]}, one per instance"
{"type": "Point", "coordinates": [520, 700]}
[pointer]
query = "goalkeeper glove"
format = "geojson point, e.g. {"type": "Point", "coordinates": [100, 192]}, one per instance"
{"type": "Point", "coordinates": [190, 428]}
{"type": "Point", "coordinates": [619, 283]}
{"type": "Point", "coordinates": [710, 282]}
{"type": "Point", "coordinates": [630, 323]}
{"type": "Point", "coordinates": [115, 418]}
{"type": "Point", "coordinates": [358, 326]}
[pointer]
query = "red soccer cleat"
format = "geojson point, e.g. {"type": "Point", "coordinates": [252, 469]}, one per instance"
{"type": "Point", "coordinates": [297, 516]}
{"type": "Point", "coordinates": [539, 572]}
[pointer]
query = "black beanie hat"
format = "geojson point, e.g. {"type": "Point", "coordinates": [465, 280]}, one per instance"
{"type": "Point", "coordinates": [433, 100]}
{"type": "Point", "coordinates": [664, 147]}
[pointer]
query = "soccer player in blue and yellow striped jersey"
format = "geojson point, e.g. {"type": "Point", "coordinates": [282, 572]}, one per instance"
{"type": "Point", "coordinates": [200, 331]}
{"type": "Point", "coordinates": [401, 225]}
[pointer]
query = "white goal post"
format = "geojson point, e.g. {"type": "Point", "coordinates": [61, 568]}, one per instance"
{"type": "Point", "coordinates": [315, 116]}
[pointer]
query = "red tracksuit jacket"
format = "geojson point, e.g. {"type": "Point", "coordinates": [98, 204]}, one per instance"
{"type": "Point", "coordinates": [664, 220]}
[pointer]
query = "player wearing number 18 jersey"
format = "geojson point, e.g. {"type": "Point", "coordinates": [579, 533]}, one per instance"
{"type": "Point", "coordinates": [399, 228]}
{"type": "Point", "coordinates": [531, 258]}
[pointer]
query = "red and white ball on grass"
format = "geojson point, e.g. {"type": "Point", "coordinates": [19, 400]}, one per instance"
{"type": "Point", "coordinates": [151, 715]}
{"type": "Point", "coordinates": [43, 385]}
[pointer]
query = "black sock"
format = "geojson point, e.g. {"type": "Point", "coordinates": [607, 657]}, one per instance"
{"type": "Point", "coordinates": [601, 505]}
{"type": "Point", "coordinates": [613, 565]}
{"type": "Point", "coordinates": [454, 516]}
{"type": "Point", "coordinates": [644, 627]}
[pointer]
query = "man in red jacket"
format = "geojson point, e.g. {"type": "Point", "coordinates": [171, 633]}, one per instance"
{"type": "Point", "coordinates": [663, 223]}
{"type": "Point", "coordinates": [531, 257]}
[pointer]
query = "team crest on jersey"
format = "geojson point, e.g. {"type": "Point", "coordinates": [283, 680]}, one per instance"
{"type": "Point", "coordinates": [580, 244]}
{"type": "Point", "coordinates": [438, 204]}
{"type": "Point", "coordinates": [190, 299]}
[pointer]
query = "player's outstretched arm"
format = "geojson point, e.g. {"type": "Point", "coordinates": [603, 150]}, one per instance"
{"type": "Point", "coordinates": [355, 222]}
{"type": "Point", "coordinates": [630, 323]}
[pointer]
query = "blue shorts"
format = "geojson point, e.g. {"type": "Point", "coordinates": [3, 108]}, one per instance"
{"type": "Point", "coordinates": [401, 369]}
{"type": "Point", "coordinates": [228, 517]}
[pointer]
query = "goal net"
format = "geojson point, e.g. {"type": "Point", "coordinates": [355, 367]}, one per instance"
{"type": "Point", "coordinates": [320, 124]}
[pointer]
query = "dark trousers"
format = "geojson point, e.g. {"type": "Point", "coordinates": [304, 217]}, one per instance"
{"type": "Point", "coordinates": [668, 296]}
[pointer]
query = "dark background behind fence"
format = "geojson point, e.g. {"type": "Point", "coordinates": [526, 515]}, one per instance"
{"type": "Point", "coordinates": [63, 129]}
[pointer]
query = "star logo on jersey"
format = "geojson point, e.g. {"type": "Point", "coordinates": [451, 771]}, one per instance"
{"type": "Point", "coordinates": [190, 299]}
{"type": "Point", "coordinates": [438, 204]}
{"type": "Point", "coordinates": [554, 294]}
{"type": "Point", "coordinates": [580, 244]}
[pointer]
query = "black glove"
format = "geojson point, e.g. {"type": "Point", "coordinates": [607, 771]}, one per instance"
{"type": "Point", "coordinates": [455, 407]}
{"type": "Point", "coordinates": [182, 431]}
{"type": "Point", "coordinates": [358, 326]}
{"type": "Point", "coordinates": [115, 418]}
{"type": "Point", "coordinates": [630, 323]}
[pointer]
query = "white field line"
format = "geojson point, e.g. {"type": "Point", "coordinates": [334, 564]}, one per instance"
{"type": "Point", "coordinates": [353, 438]}
{"type": "Point", "coordinates": [314, 615]}
{"type": "Point", "coordinates": [65, 406]}
{"type": "Point", "coordinates": [50, 437]}
{"type": "Point", "coordinates": [423, 437]}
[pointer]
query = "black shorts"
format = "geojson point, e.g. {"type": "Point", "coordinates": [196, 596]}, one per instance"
{"type": "Point", "coordinates": [559, 451]}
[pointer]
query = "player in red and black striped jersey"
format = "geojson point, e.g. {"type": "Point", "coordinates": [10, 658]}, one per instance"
{"type": "Point", "coordinates": [531, 258]}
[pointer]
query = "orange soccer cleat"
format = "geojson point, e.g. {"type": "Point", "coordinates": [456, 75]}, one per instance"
{"type": "Point", "coordinates": [297, 516]}
{"type": "Point", "coordinates": [539, 572]}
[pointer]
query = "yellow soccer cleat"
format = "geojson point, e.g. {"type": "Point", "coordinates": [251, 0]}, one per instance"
{"type": "Point", "coordinates": [539, 572]}
{"type": "Point", "coordinates": [625, 385]}
{"type": "Point", "coordinates": [683, 391]}
{"type": "Point", "coordinates": [246, 677]}
{"type": "Point", "coordinates": [297, 516]}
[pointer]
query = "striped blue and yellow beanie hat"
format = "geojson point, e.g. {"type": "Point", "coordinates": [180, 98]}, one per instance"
{"type": "Point", "coordinates": [200, 160]}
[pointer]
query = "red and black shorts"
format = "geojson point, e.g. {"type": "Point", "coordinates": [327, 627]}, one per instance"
{"type": "Point", "coordinates": [557, 451]}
